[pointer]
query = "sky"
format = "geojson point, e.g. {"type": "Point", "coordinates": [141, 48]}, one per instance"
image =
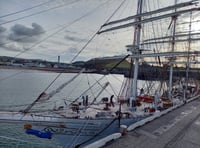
{"type": "Point", "coordinates": [54, 28]}
{"type": "Point", "coordinates": [50, 28]}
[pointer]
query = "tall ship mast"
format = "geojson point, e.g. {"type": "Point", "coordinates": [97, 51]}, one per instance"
{"type": "Point", "coordinates": [136, 50]}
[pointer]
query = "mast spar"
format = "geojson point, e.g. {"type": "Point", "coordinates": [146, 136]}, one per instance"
{"type": "Point", "coordinates": [174, 20]}
{"type": "Point", "coordinates": [135, 49]}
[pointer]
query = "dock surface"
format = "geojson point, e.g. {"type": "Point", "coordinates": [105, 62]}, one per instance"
{"type": "Point", "coordinates": [177, 129]}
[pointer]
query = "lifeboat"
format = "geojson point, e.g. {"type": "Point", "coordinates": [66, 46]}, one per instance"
{"type": "Point", "coordinates": [166, 102]}
{"type": "Point", "coordinates": [165, 99]}
{"type": "Point", "coordinates": [149, 109]}
{"type": "Point", "coordinates": [146, 98]}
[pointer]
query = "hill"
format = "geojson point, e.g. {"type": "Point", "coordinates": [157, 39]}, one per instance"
{"type": "Point", "coordinates": [146, 71]}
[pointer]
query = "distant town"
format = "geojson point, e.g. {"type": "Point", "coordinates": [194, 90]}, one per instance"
{"type": "Point", "coordinates": [97, 65]}
{"type": "Point", "coordinates": [11, 62]}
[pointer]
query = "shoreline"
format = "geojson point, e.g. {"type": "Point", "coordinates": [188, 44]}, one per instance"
{"type": "Point", "coordinates": [42, 69]}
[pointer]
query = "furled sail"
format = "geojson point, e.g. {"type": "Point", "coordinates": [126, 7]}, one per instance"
{"type": "Point", "coordinates": [47, 96]}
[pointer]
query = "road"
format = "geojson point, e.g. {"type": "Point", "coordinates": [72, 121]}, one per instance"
{"type": "Point", "coordinates": [177, 129]}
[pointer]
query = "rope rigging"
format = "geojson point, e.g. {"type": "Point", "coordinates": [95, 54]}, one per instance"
{"type": "Point", "coordinates": [102, 86]}
{"type": "Point", "coordinates": [10, 76]}
{"type": "Point", "coordinates": [39, 12]}
{"type": "Point", "coordinates": [26, 9]}
{"type": "Point", "coordinates": [52, 93]}
{"type": "Point", "coordinates": [61, 29]}
{"type": "Point", "coordinates": [90, 86]}
{"type": "Point", "coordinates": [38, 98]}
{"type": "Point", "coordinates": [113, 90]}
{"type": "Point", "coordinates": [78, 145]}
{"type": "Point", "coordinates": [97, 32]}
{"type": "Point", "coordinates": [102, 77]}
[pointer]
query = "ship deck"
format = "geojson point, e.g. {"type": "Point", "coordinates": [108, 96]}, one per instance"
{"type": "Point", "coordinates": [177, 129]}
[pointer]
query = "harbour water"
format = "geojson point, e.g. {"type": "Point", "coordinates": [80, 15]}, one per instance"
{"type": "Point", "coordinates": [18, 88]}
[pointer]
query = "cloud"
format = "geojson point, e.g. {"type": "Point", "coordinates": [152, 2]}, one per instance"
{"type": "Point", "coordinates": [3, 34]}
{"type": "Point", "coordinates": [21, 33]}
{"type": "Point", "coordinates": [74, 39]}
{"type": "Point", "coordinates": [2, 29]}
{"type": "Point", "coordinates": [72, 32]}
{"type": "Point", "coordinates": [13, 47]}
{"type": "Point", "coordinates": [72, 50]}
{"type": "Point", "coordinates": [19, 36]}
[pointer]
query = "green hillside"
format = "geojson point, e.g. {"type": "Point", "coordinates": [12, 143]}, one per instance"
{"type": "Point", "coordinates": [106, 64]}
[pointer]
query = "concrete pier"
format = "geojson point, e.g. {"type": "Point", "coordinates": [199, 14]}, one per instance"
{"type": "Point", "coordinates": [177, 129]}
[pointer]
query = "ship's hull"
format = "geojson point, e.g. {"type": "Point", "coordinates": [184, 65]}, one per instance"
{"type": "Point", "coordinates": [71, 132]}
{"type": "Point", "coordinates": [81, 132]}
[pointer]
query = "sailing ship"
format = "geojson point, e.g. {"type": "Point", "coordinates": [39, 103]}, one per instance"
{"type": "Point", "coordinates": [86, 120]}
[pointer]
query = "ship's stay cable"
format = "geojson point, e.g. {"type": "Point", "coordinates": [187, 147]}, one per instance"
{"type": "Point", "coordinates": [78, 134]}
{"type": "Point", "coordinates": [61, 29]}
{"type": "Point", "coordinates": [82, 47]}
{"type": "Point", "coordinates": [112, 89]}
{"type": "Point", "coordinates": [78, 145]}
{"type": "Point", "coordinates": [38, 98]}
{"type": "Point", "coordinates": [78, 19]}
{"type": "Point", "coordinates": [159, 59]}
{"type": "Point", "coordinates": [97, 32]}
{"type": "Point", "coordinates": [39, 12]}
{"type": "Point", "coordinates": [102, 86]}
{"type": "Point", "coordinates": [154, 33]}
{"type": "Point", "coordinates": [52, 93]}
{"type": "Point", "coordinates": [74, 89]}
{"type": "Point", "coordinates": [149, 27]}
{"type": "Point", "coordinates": [105, 22]}
{"type": "Point", "coordinates": [34, 45]}
{"type": "Point", "coordinates": [120, 91]}
{"type": "Point", "coordinates": [24, 105]}
{"type": "Point", "coordinates": [87, 90]}
{"type": "Point", "coordinates": [58, 31]}
{"type": "Point", "coordinates": [102, 77]}
{"type": "Point", "coordinates": [157, 49]}
{"type": "Point", "coordinates": [90, 87]}
{"type": "Point", "coordinates": [12, 75]}
{"type": "Point", "coordinates": [26, 9]}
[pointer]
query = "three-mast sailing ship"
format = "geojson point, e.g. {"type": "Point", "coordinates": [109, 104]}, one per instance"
{"type": "Point", "coordinates": [75, 126]}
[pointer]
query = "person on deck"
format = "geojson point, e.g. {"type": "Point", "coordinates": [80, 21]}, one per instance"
{"type": "Point", "coordinates": [141, 91]}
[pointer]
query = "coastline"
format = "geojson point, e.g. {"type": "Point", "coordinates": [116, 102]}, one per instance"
{"type": "Point", "coordinates": [57, 70]}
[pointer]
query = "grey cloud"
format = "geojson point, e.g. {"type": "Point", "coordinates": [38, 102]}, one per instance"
{"type": "Point", "coordinates": [12, 39]}
{"type": "Point", "coordinates": [73, 32]}
{"type": "Point", "coordinates": [72, 50]}
{"type": "Point", "coordinates": [3, 34]}
{"type": "Point", "coordinates": [2, 29]}
{"type": "Point", "coordinates": [13, 47]}
{"type": "Point", "coordinates": [21, 33]}
{"type": "Point", "coordinates": [75, 39]}
{"type": "Point", "coordinates": [23, 30]}
{"type": "Point", "coordinates": [58, 42]}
